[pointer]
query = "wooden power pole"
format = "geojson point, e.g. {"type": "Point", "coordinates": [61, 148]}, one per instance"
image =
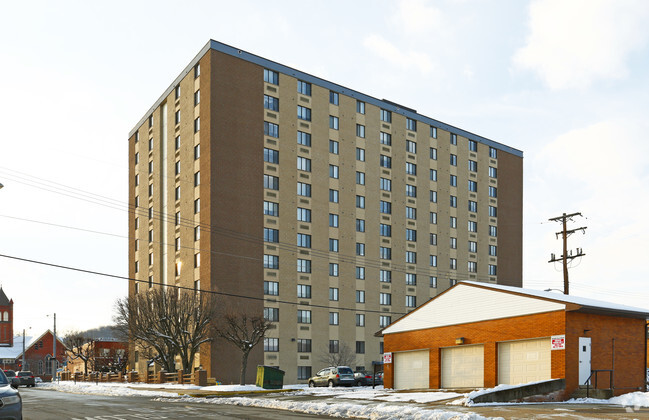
{"type": "Point", "coordinates": [566, 257]}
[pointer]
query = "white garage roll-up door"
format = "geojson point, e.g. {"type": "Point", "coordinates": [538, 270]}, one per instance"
{"type": "Point", "coordinates": [463, 367]}
{"type": "Point", "coordinates": [411, 370]}
{"type": "Point", "coordinates": [524, 361]}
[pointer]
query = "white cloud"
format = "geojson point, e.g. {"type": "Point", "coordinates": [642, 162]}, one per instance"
{"type": "Point", "coordinates": [575, 43]}
{"type": "Point", "coordinates": [417, 17]}
{"type": "Point", "coordinates": [601, 171]}
{"type": "Point", "coordinates": [403, 59]}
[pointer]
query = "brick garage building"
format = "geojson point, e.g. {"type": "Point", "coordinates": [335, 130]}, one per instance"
{"type": "Point", "coordinates": [478, 335]}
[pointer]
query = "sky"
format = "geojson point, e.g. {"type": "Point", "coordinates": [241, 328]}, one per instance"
{"type": "Point", "coordinates": [565, 81]}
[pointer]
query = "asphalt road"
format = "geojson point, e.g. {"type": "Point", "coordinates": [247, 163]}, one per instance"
{"type": "Point", "coordinates": [40, 404]}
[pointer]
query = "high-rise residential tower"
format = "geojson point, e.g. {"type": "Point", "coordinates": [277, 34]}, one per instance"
{"type": "Point", "coordinates": [331, 212]}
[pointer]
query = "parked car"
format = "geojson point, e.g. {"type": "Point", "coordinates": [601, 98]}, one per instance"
{"type": "Point", "coordinates": [362, 377]}
{"type": "Point", "coordinates": [26, 378]}
{"type": "Point", "coordinates": [12, 403]}
{"type": "Point", "coordinates": [13, 379]}
{"type": "Point", "coordinates": [333, 376]}
{"type": "Point", "coordinates": [378, 378]}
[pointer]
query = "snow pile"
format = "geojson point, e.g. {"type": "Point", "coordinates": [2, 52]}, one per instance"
{"type": "Point", "coordinates": [374, 412]}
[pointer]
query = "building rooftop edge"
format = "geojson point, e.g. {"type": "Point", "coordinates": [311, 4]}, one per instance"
{"type": "Point", "coordinates": [273, 65]}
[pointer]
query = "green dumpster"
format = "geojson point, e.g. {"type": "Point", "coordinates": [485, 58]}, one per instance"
{"type": "Point", "coordinates": [270, 377]}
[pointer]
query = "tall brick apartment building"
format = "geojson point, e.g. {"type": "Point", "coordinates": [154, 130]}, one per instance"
{"type": "Point", "coordinates": [332, 212]}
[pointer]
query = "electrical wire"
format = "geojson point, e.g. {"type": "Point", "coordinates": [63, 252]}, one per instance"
{"type": "Point", "coordinates": [178, 287]}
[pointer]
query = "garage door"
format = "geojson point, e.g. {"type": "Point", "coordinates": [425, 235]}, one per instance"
{"type": "Point", "coordinates": [411, 370]}
{"type": "Point", "coordinates": [463, 367]}
{"type": "Point", "coordinates": [524, 361]}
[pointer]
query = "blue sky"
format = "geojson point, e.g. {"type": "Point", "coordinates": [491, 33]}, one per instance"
{"type": "Point", "coordinates": [566, 82]}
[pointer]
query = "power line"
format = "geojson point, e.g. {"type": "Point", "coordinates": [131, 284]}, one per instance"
{"type": "Point", "coordinates": [227, 233]}
{"type": "Point", "coordinates": [178, 287]}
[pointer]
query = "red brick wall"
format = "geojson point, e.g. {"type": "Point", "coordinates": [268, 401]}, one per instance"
{"type": "Point", "coordinates": [485, 332]}
{"type": "Point", "coordinates": [629, 335]}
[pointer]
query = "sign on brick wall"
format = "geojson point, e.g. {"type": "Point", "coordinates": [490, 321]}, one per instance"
{"type": "Point", "coordinates": [387, 357]}
{"type": "Point", "coordinates": [558, 342]}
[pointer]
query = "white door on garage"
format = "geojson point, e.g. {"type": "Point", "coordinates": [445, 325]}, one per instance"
{"type": "Point", "coordinates": [463, 367]}
{"type": "Point", "coordinates": [524, 361]}
{"type": "Point", "coordinates": [411, 369]}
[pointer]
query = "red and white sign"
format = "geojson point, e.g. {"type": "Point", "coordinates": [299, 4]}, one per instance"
{"type": "Point", "coordinates": [558, 342]}
{"type": "Point", "coordinates": [387, 357]}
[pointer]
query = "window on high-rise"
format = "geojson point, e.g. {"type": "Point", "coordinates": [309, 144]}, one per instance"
{"type": "Point", "coordinates": [304, 291]}
{"type": "Point", "coordinates": [303, 164]}
{"type": "Point", "coordinates": [271, 344]}
{"type": "Point", "coordinates": [303, 189]}
{"type": "Point", "coordinates": [333, 97]}
{"type": "Point", "coordinates": [271, 102]}
{"type": "Point", "coordinates": [304, 87]}
{"type": "Point", "coordinates": [386, 115]}
{"type": "Point", "coordinates": [303, 266]}
{"type": "Point", "coordinates": [385, 138]}
{"type": "Point", "coordinates": [271, 77]}
{"type": "Point", "coordinates": [303, 113]}
{"type": "Point", "coordinates": [360, 107]}
{"type": "Point", "coordinates": [333, 122]}
{"type": "Point", "coordinates": [271, 130]}
{"type": "Point", "coordinates": [271, 156]}
{"type": "Point", "coordinates": [411, 146]}
{"type": "Point", "coordinates": [271, 209]}
{"type": "Point", "coordinates": [333, 147]}
{"type": "Point", "coordinates": [303, 138]}
{"type": "Point", "coordinates": [411, 168]}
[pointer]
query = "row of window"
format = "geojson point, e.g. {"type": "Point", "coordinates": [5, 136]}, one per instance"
{"type": "Point", "coordinates": [304, 346]}
{"type": "Point", "coordinates": [304, 88]}
{"type": "Point", "coordinates": [385, 253]}
{"type": "Point", "coordinates": [304, 316]}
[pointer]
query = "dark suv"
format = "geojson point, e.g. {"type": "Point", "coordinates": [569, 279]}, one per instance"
{"type": "Point", "coordinates": [333, 376]}
{"type": "Point", "coordinates": [26, 378]}
{"type": "Point", "coordinates": [13, 379]}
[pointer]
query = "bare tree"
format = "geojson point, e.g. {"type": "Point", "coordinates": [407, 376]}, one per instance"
{"type": "Point", "coordinates": [244, 331]}
{"type": "Point", "coordinates": [80, 346]}
{"type": "Point", "coordinates": [341, 355]}
{"type": "Point", "coordinates": [165, 323]}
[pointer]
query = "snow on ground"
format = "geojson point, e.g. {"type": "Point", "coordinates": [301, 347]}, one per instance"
{"type": "Point", "coordinates": [388, 404]}
{"type": "Point", "coordinates": [381, 411]}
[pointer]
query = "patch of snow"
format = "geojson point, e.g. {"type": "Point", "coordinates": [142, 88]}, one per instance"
{"type": "Point", "coordinates": [374, 412]}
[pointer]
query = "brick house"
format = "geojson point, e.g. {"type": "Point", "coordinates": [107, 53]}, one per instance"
{"type": "Point", "coordinates": [478, 335]}
{"type": "Point", "coordinates": [107, 354]}
{"type": "Point", "coordinates": [38, 353]}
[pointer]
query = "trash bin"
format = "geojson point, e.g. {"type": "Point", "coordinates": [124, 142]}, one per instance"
{"type": "Point", "coordinates": [270, 377]}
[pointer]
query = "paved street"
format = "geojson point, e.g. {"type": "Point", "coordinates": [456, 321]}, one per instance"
{"type": "Point", "coordinates": [42, 404]}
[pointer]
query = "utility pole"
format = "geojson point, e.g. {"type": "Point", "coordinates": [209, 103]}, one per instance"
{"type": "Point", "coordinates": [565, 258]}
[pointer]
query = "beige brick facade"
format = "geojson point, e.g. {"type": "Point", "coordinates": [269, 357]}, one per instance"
{"type": "Point", "coordinates": [333, 243]}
